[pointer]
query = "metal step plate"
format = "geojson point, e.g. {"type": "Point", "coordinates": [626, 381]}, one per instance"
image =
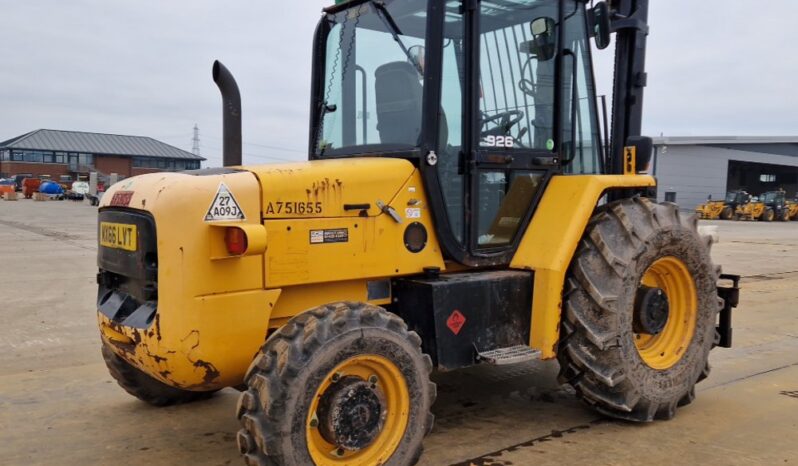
{"type": "Point", "coordinates": [511, 355]}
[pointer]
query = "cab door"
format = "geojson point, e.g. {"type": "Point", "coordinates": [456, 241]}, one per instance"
{"type": "Point", "coordinates": [514, 150]}
{"type": "Point", "coordinates": [516, 110]}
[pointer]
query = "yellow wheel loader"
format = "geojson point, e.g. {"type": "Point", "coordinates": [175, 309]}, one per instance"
{"type": "Point", "coordinates": [723, 210]}
{"type": "Point", "coordinates": [459, 207]}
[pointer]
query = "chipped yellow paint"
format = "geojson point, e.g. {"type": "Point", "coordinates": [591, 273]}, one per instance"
{"type": "Point", "coordinates": [375, 246]}
{"type": "Point", "coordinates": [321, 189]}
{"type": "Point", "coordinates": [214, 311]}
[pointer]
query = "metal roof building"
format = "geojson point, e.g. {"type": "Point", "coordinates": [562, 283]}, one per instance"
{"type": "Point", "coordinates": [690, 169]}
{"type": "Point", "coordinates": [72, 153]}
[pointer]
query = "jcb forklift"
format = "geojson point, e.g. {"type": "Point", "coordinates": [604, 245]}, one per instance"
{"type": "Point", "coordinates": [458, 208]}
{"type": "Point", "coordinates": [768, 207]}
{"type": "Point", "coordinates": [725, 209]}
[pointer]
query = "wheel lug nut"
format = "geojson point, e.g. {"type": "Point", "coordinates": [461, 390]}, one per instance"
{"type": "Point", "coordinates": [314, 422]}
{"type": "Point", "coordinates": [373, 379]}
{"type": "Point", "coordinates": [339, 452]}
{"type": "Point", "coordinates": [336, 377]}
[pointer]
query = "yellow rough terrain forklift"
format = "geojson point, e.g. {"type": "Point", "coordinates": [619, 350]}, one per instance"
{"type": "Point", "coordinates": [768, 207]}
{"type": "Point", "coordinates": [459, 207]}
{"type": "Point", "coordinates": [723, 210]}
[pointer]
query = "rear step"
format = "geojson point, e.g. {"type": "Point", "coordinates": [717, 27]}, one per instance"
{"type": "Point", "coordinates": [505, 356]}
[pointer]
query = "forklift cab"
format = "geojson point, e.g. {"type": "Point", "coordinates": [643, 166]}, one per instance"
{"type": "Point", "coordinates": [489, 98]}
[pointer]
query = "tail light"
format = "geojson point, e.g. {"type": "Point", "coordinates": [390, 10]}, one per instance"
{"type": "Point", "coordinates": [236, 241]}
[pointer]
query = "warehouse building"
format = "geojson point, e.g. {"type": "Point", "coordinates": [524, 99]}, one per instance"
{"type": "Point", "coordinates": [690, 169]}
{"type": "Point", "coordinates": [65, 155]}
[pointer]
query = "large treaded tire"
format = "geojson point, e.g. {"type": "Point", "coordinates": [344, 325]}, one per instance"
{"type": "Point", "coordinates": [284, 377]}
{"type": "Point", "coordinates": [144, 387]}
{"type": "Point", "coordinates": [727, 213]}
{"type": "Point", "coordinates": [597, 352]}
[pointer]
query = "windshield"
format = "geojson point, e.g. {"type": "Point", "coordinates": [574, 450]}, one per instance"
{"type": "Point", "coordinates": [373, 83]}
{"type": "Point", "coordinates": [731, 197]}
{"type": "Point", "coordinates": [769, 197]}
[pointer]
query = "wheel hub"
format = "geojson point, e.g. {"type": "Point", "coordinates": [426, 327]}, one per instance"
{"type": "Point", "coordinates": [351, 413]}
{"type": "Point", "coordinates": [651, 310]}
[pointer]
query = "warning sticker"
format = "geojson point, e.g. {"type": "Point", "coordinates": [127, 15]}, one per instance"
{"type": "Point", "coordinates": [456, 321]}
{"type": "Point", "coordinates": [338, 235]}
{"type": "Point", "coordinates": [224, 206]}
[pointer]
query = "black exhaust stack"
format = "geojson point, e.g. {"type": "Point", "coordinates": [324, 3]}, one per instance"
{"type": "Point", "coordinates": [231, 114]}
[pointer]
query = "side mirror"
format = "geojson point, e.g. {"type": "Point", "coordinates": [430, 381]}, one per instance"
{"type": "Point", "coordinates": [544, 40]}
{"type": "Point", "coordinates": [600, 19]}
{"type": "Point", "coordinates": [644, 148]}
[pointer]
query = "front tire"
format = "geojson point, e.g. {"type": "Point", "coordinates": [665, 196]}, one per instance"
{"type": "Point", "coordinates": [631, 245]}
{"type": "Point", "coordinates": [298, 408]}
{"type": "Point", "coordinates": [768, 215]}
{"type": "Point", "coordinates": [144, 387]}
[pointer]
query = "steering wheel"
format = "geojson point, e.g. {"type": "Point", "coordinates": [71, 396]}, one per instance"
{"type": "Point", "coordinates": [506, 120]}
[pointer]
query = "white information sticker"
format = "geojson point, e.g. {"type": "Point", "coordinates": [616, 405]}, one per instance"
{"type": "Point", "coordinates": [224, 206]}
{"type": "Point", "coordinates": [412, 212]}
{"type": "Point", "coordinates": [316, 236]}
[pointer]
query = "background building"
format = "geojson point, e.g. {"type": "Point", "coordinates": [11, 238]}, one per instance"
{"type": "Point", "coordinates": [69, 154]}
{"type": "Point", "coordinates": [690, 169]}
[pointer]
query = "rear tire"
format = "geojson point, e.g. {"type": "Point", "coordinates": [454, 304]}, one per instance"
{"type": "Point", "coordinates": [144, 387]}
{"type": "Point", "coordinates": [768, 215]}
{"type": "Point", "coordinates": [727, 213]}
{"type": "Point", "coordinates": [312, 351]}
{"type": "Point", "coordinates": [600, 354]}
{"type": "Point", "coordinates": [785, 215]}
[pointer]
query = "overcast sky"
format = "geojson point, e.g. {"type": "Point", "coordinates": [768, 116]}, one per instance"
{"type": "Point", "coordinates": [143, 67]}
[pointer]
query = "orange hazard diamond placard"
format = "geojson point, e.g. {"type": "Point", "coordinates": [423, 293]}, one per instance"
{"type": "Point", "coordinates": [456, 321]}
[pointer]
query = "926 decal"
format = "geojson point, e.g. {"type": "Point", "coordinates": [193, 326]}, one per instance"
{"type": "Point", "coordinates": [293, 208]}
{"type": "Point", "coordinates": [499, 141]}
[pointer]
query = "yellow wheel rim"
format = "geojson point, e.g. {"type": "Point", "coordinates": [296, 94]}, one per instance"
{"type": "Point", "coordinates": [391, 385]}
{"type": "Point", "coordinates": [664, 350]}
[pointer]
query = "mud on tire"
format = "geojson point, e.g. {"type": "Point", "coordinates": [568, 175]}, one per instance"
{"type": "Point", "coordinates": [286, 373]}
{"type": "Point", "coordinates": [597, 351]}
{"type": "Point", "coordinates": [144, 387]}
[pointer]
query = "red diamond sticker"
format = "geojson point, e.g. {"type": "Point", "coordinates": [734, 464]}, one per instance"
{"type": "Point", "coordinates": [456, 321]}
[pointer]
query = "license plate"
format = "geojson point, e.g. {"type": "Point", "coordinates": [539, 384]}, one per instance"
{"type": "Point", "coordinates": [118, 236]}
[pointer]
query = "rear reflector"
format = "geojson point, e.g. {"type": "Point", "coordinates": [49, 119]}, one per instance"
{"type": "Point", "coordinates": [236, 241]}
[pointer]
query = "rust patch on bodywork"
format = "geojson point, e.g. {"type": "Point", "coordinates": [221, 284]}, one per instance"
{"type": "Point", "coordinates": [211, 373]}
{"type": "Point", "coordinates": [161, 362]}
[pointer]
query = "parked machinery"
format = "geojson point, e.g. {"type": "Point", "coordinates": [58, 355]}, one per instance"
{"type": "Point", "coordinates": [724, 210]}
{"type": "Point", "coordinates": [768, 207]}
{"type": "Point", "coordinates": [792, 207]}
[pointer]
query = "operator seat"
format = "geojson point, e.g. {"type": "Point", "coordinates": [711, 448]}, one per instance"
{"type": "Point", "coordinates": [398, 96]}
